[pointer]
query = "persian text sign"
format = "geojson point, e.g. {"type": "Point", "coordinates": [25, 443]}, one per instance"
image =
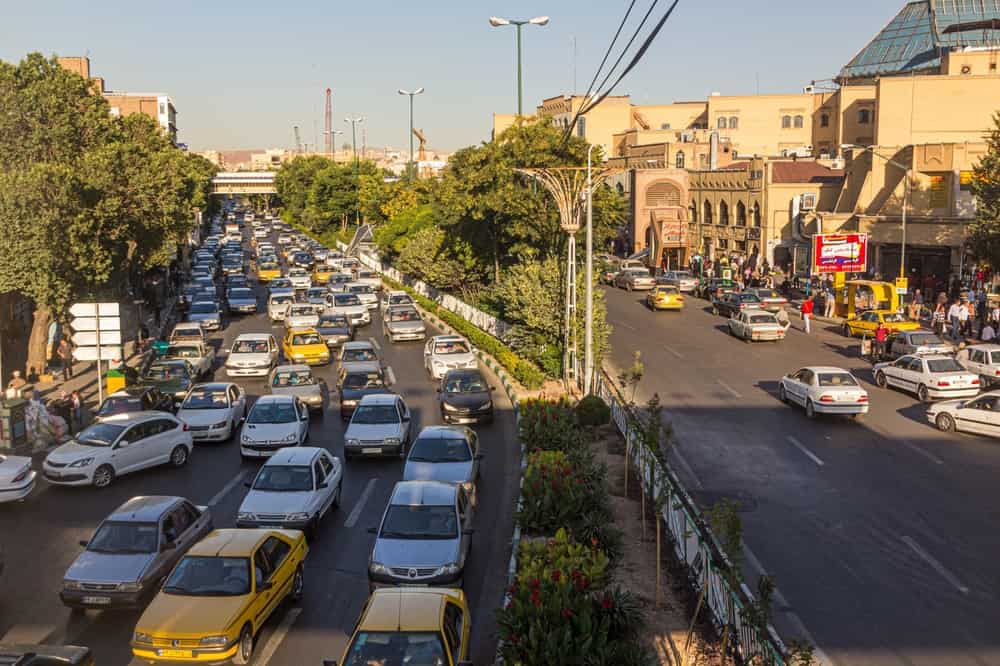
{"type": "Point", "coordinates": [840, 253]}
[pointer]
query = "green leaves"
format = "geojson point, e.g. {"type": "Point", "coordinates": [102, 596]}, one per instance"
{"type": "Point", "coordinates": [984, 233]}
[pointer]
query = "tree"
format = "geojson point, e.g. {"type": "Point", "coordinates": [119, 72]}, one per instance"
{"type": "Point", "coordinates": [393, 236]}
{"type": "Point", "coordinates": [441, 265]}
{"type": "Point", "coordinates": [984, 233]}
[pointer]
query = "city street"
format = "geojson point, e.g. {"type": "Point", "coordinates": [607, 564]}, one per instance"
{"type": "Point", "coordinates": [880, 533]}
{"type": "Point", "coordinates": [42, 532]}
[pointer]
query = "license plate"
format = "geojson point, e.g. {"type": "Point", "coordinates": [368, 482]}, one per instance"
{"type": "Point", "coordinates": [97, 601]}
{"type": "Point", "coordinates": [371, 450]}
{"type": "Point", "coordinates": [176, 654]}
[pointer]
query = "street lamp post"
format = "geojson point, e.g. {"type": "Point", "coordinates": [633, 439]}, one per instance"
{"type": "Point", "coordinates": [354, 143]}
{"type": "Point", "coordinates": [333, 133]}
{"type": "Point", "coordinates": [588, 330]}
{"type": "Point", "coordinates": [496, 22]}
{"type": "Point", "coordinates": [411, 95]}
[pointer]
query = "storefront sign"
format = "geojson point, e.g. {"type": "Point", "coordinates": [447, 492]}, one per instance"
{"type": "Point", "coordinates": [902, 285]}
{"type": "Point", "coordinates": [840, 253]}
{"type": "Point", "coordinates": [938, 192]}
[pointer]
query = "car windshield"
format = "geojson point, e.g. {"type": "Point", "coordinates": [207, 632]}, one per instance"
{"type": "Point", "coordinates": [284, 478]}
{"type": "Point", "coordinates": [203, 308]}
{"type": "Point", "coordinates": [375, 415]}
{"type": "Point", "coordinates": [404, 315]}
{"type": "Point", "coordinates": [250, 347]}
{"type": "Point", "coordinates": [683, 275]}
{"type": "Point", "coordinates": [366, 274]}
{"type": "Point", "coordinates": [282, 299]}
{"type": "Point", "coordinates": [667, 290]}
{"type": "Point", "coordinates": [287, 378]}
{"type": "Point", "coordinates": [166, 371]}
{"type": "Point", "coordinates": [465, 383]}
{"type": "Point", "coordinates": [768, 293]}
{"type": "Point", "coordinates": [420, 522]}
{"type": "Point", "coordinates": [298, 273]}
{"type": "Point", "coordinates": [440, 450]}
{"type": "Point", "coordinates": [124, 537]}
{"type": "Point", "coordinates": [400, 299]}
{"type": "Point", "coordinates": [362, 380]}
{"type": "Point", "coordinates": [893, 318]}
{"type": "Point", "coordinates": [318, 293]}
{"type": "Point", "coordinates": [306, 339]}
{"type": "Point", "coordinates": [943, 365]}
{"type": "Point", "coordinates": [100, 434]}
{"type": "Point", "coordinates": [281, 282]}
{"type": "Point", "coordinates": [451, 347]}
{"type": "Point", "coordinates": [995, 357]}
{"type": "Point", "coordinates": [240, 293]}
{"type": "Point", "coordinates": [748, 298]}
{"type": "Point", "coordinates": [836, 379]}
{"type": "Point", "coordinates": [120, 405]}
{"type": "Point", "coordinates": [638, 273]}
{"type": "Point", "coordinates": [333, 322]}
{"type": "Point", "coordinates": [183, 351]}
{"type": "Point", "coordinates": [341, 300]}
{"type": "Point", "coordinates": [206, 398]}
{"type": "Point", "coordinates": [397, 648]}
{"type": "Point", "coordinates": [187, 332]}
{"type": "Point", "coordinates": [201, 576]}
{"type": "Point", "coordinates": [925, 339]}
{"type": "Point", "coordinates": [272, 412]}
{"type": "Point", "coordinates": [359, 289]}
{"type": "Point", "coordinates": [359, 354]}
{"type": "Point", "coordinates": [268, 266]}
{"type": "Point", "coordinates": [762, 319]}
{"type": "Point", "coordinates": [300, 310]}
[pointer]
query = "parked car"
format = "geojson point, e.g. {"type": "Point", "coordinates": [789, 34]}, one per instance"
{"type": "Point", "coordinates": [293, 490]}
{"type": "Point", "coordinates": [380, 426]}
{"type": "Point", "coordinates": [465, 397]}
{"type": "Point", "coordinates": [770, 299]}
{"type": "Point", "coordinates": [241, 300]}
{"type": "Point", "coordinates": [445, 453]}
{"type": "Point", "coordinates": [448, 352]}
{"type": "Point", "coordinates": [350, 306]}
{"type": "Point", "coordinates": [252, 355]}
{"type": "Point", "coordinates": [919, 342]}
{"type": "Point", "coordinates": [824, 390]}
{"type": "Point", "coordinates": [929, 376]}
{"type": "Point", "coordinates": [17, 480]}
{"type": "Point", "coordinates": [984, 360]}
{"type": "Point", "coordinates": [274, 422]}
{"type": "Point", "coordinates": [135, 399]}
{"type": "Point", "coordinates": [132, 551]}
{"type": "Point", "coordinates": [299, 381]}
{"type": "Point", "coordinates": [219, 595]}
{"type": "Point", "coordinates": [866, 323]}
{"type": "Point", "coordinates": [355, 381]}
{"type": "Point", "coordinates": [424, 536]}
{"type": "Point", "coordinates": [171, 377]}
{"type": "Point", "coordinates": [335, 329]}
{"type": "Point", "coordinates": [200, 355]}
{"type": "Point", "coordinates": [634, 279]}
{"type": "Point", "coordinates": [756, 325]}
{"type": "Point", "coordinates": [205, 313]}
{"type": "Point", "coordinates": [685, 281]}
{"type": "Point", "coordinates": [305, 345]}
{"type": "Point", "coordinates": [118, 445]}
{"type": "Point", "coordinates": [729, 304]}
{"type": "Point", "coordinates": [980, 415]}
{"type": "Point", "coordinates": [403, 322]}
{"type": "Point", "coordinates": [213, 411]}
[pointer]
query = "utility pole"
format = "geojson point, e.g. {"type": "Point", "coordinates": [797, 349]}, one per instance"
{"type": "Point", "coordinates": [411, 95]}
{"type": "Point", "coordinates": [496, 22]}
{"type": "Point", "coordinates": [588, 330]}
{"type": "Point", "coordinates": [354, 142]}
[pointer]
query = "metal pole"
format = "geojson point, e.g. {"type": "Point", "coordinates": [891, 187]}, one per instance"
{"type": "Point", "coordinates": [411, 137]}
{"type": "Point", "coordinates": [100, 380]}
{"type": "Point", "coordinates": [902, 245]}
{"type": "Point", "coordinates": [518, 68]}
{"type": "Point", "coordinates": [588, 336]}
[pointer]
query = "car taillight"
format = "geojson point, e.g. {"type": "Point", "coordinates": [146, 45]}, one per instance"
{"type": "Point", "coordinates": [826, 398]}
{"type": "Point", "coordinates": [863, 398]}
{"type": "Point", "coordinates": [22, 476]}
{"type": "Point", "coordinates": [943, 383]}
{"type": "Point", "coordinates": [975, 382]}
{"type": "Point", "coordinates": [742, 305]}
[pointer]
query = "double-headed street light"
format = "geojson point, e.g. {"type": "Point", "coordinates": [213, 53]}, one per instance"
{"type": "Point", "coordinates": [497, 22]}
{"type": "Point", "coordinates": [354, 142]}
{"type": "Point", "coordinates": [411, 95]}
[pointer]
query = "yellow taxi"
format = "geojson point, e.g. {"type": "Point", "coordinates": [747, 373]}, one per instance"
{"type": "Point", "coordinates": [429, 625]}
{"type": "Point", "coordinates": [219, 595]}
{"type": "Point", "coordinates": [665, 297]}
{"type": "Point", "coordinates": [267, 271]}
{"type": "Point", "coordinates": [866, 323]}
{"type": "Point", "coordinates": [321, 275]}
{"type": "Point", "coordinates": [305, 345]}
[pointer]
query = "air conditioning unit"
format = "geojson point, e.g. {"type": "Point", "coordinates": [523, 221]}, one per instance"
{"type": "Point", "coordinates": [807, 201]}
{"type": "Point", "coordinates": [687, 137]}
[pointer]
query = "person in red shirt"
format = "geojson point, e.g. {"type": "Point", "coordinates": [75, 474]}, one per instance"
{"type": "Point", "coordinates": [807, 311]}
{"type": "Point", "coordinates": [881, 338]}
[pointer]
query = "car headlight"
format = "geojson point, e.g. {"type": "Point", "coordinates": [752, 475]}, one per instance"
{"type": "Point", "coordinates": [140, 637]}
{"type": "Point", "coordinates": [392, 441]}
{"type": "Point", "coordinates": [486, 405]}
{"type": "Point", "coordinates": [129, 587]}
{"type": "Point", "coordinates": [378, 568]}
{"type": "Point", "coordinates": [297, 516]}
{"type": "Point", "coordinates": [298, 357]}
{"type": "Point", "coordinates": [72, 585]}
{"type": "Point", "coordinates": [245, 438]}
{"type": "Point", "coordinates": [437, 362]}
{"type": "Point", "coordinates": [349, 402]}
{"type": "Point", "coordinates": [82, 462]}
{"type": "Point", "coordinates": [291, 437]}
{"type": "Point", "coordinates": [214, 640]}
{"type": "Point", "coordinates": [448, 407]}
{"type": "Point", "coordinates": [448, 569]}
{"type": "Point", "coordinates": [352, 442]}
{"type": "Point", "coordinates": [246, 515]}
{"type": "Point", "coordinates": [220, 425]}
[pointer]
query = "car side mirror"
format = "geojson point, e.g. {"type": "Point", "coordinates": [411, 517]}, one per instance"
{"type": "Point", "coordinates": [323, 485]}
{"type": "Point", "coordinates": [468, 532]}
{"type": "Point", "coordinates": [169, 545]}
{"type": "Point", "coordinates": [372, 530]}
{"type": "Point", "coordinates": [84, 542]}
{"type": "Point", "coordinates": [480, 456]}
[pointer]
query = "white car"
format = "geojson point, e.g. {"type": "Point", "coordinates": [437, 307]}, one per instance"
{"type": "Point", "coordinates": [380, 426]}
{"type": "Point", "coordinates": [213, 411]}
{"type": "Point", "coordinates": [365, 293]}
{"type": "Point", "coordinates": [928, 376]}
{"type": "Point", "coordinates": [301, 315]}
{"type": "Point", "coordinates": [260, 232]}
{"type": "Point", "coordinates": [371, 278]}
{"type": "Point", "coordinates": [277, 305]}
{"type": "Point", "coordinates": [282, 285]}
{"type": "Point", "coordinates": [300, 277]}
{"type": "Point", "coordinates": [274, 422]}
{"type": "Point", "coordinates": [118, 445]}
{"type": "Point", "coordinates": [188, 332]}
{"type": "Point", "coordinates": [391, 298]}
{"type": "Point", "coordinates": [350, 306]}
{"type": "Point", "coordinates": [17, 479]}
{"type": "Point", "coordinates": [293, 490]}
{"type": "Point", "coordinates": [252, 355]}
{"type": "Point", "coordinates": [754, 325]}
{"type": "Point", "coordinates": [984, 360]}
{"type": "Point", "coordinates": [981, 415]}
{"type": "Point", "coordinates": [824, 390]}
{"type": "Point", "coordinates": [284, 239]}
{"type": "Point", "coordinates": [448, 352]}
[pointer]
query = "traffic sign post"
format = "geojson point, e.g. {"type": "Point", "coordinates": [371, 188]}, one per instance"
{"type": "Point", "coordinates": [97, 335]}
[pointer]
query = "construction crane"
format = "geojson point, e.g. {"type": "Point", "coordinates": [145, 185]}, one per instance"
{"type": "Point", "coordinates": [421, 151]}
{"type": "Point", "coordinates": [298, 139]}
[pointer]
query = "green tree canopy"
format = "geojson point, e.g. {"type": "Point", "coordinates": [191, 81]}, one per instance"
{"type": "Point", "coordinates": [984, 233]}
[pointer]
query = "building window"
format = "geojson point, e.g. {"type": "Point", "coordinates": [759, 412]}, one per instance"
{"type": "Point", "coordinates": [798, 122]}
{"type": "Point", "coordinates": [693, 212]}
{"type": "Point", "coordinates": [741, 214]}
{"type": "Point", "coordinates": [723, 213]}
{"type": "Point", "coordinates": [163, 108]}
{"type": "Point", "coordinates": [723, 243]}
{"type": "Point", "coordinates": [786, 122]}
{"type": "Point", "coordinates": [707, 212]}
{"type": "Point", "coordinates": [756, 214]}
{"type": "Point", "coordinates": [864, 117]}
{"type": "Point", "coordinates": [721, 123]}
{"type": "Point", "coordinates": [734, 122]}
{"type": "Point", "coordinates": [824, 120]}
{"type": "Point", "coordinates": [664, 126]}
{"type": "Point", "coordinates": [741, 246]}
{"type": "Point", "coordinates": [662, 194]}
{"type": "Point", "coordinates": [679, 159]}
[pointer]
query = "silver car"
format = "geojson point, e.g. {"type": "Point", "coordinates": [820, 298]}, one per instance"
{"type": "Point", "coordinates": [633, 279]}
{"type": "Point", "coordinates": [380, 426]}
{"type": "Point", "coordinates": [424, 536]}
{"type": "Point", "coordinates": [207, 314]}
{"type": "Point", "coordinates": [445, 453]}
{"type": "Point", "coordinates": [685, 281]}
{"type": "Point", "coordinates": [919, 342]}
{"type": "Point", "coordinates": [403, 322]}
{"type": "Point", "coordinates": [755, 325]}
{"type": "Point", "coordinates": [132, 551]}
{"type": "Point", "coordinates": [297, 380]}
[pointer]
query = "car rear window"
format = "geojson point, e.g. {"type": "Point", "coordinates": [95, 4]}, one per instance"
{"type": "Point", "coordinates": [836, 379]}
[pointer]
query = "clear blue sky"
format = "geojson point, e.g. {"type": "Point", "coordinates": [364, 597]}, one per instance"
{"type": "Point", "coordinates": [242, 73]}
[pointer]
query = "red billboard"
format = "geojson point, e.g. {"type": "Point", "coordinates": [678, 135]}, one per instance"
{"type": "Point", "coordinates": [840, 253]}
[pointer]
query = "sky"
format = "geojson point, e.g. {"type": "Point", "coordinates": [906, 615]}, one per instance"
{"type": "Point", "coordinates": [241, 74]}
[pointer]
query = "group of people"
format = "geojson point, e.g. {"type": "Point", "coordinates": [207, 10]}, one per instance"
{"type": "Point", "coordinates": [959, 317]}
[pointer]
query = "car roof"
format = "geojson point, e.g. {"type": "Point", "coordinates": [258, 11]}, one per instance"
{"type": "Point", "coordinates": [232, 542]}
{"type": "Point", "coordinates": [130, 391]}
{"type": "Point", "coordinates": [212, 386]}
{"type": "Point", "coordinates": [273, 398]}
{"type": "Point", "coordinates": [362, 366]}
{"type": "Point", "coordinates": [169, 361]}
{"type": "Point", "coordinates": [358, 344]}
{"type": "Point", "coordinates": [394, 609]}
{"type": "Point", "coordinates": [144, 508]}
{"type": "Point", "coordinates": [301, 329]}
{"type": "Point", "coordinates": [825, 368]}
{"type": "Point", "coordinates": [444, 432]}
{"type": "Point", "coordinates": [253, 336]}
{"type": "Point", "coordinates": [448, 338]}
{"type": "Point", "coordinates": [423, 493]}
{"type": "Point", "coordinates": [294, 455]}
{"type": "Point", "coordinates": [462, 372]}
{"type": "Point", "coordinates": [985, 347]}
{"type": "Point", "coordinates": [128, 418]}
{"type": "Point", "coordinates": [187, 324]}
{"type": "Point", "coordinates": [379, 399]}
{"type": "Point", "coordinates": [292, 367]}
{"type": "Point", "coordinates": [933, 357]}
{"type": "Point", "coordinates": [919, 331]}
{"type": "Point", "coordinates": [756, 311]}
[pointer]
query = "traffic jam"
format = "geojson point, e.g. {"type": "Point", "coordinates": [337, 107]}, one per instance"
{"type": "Point", "coordinates": [205, 590]}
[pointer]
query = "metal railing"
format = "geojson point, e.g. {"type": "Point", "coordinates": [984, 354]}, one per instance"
{"type": "Point", "coordinates": [694, 544]}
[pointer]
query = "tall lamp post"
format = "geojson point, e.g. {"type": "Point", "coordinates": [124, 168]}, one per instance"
{"type": "Point", "coordinates": [497, 22]}
{"type": "Point", "coordinates": [333, 133]}
{"type": "Point", "coordinates": [588, 327]}
{"type": "Point", "coordinates": [354, 142]}
{"type": "Point", "coordinates": [411, 95]}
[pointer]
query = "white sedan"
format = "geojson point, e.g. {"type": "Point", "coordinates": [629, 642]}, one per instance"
{"type": "Point", "coordinates": [981, 415]}
{"type": "Point", "coordinates": [300, 278]}
{"type": "Point", "coordinates": [274, 422]}
{"type": "Point", "coordinates": [213, 411]}
{"type": "Point", "coordinates": [17, 479]}
{"type": "Point", "coordinates": [448, 352]}
{"type": "Point", "coordinates": [301, 315]}
{"type": "Point", "coordinates": [929, 376]}
{"type": "Point", "coordinates": [754, 324]}
{"type": "Point", "coordinates": [824, 390]}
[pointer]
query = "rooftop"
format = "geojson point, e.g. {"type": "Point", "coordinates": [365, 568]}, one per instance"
{"type": "Point", "coordinates": [804, 172]}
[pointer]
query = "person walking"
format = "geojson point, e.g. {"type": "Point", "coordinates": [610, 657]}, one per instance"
{"type": "Point", "coordinates": [65, 354]}
{"type": "Point", "coordinates": [76, 404]}
{"type": "Point", "coordinates": [939, 317]}
{"type": "Point", "coordinates": [829, 302]}
{"type": "Point", "coordinates": [881, 337]}
{"type": "Point", "coordinates": [988, 333]}
{"type": "Point", "coordinates": [955, 313]}
{"type": "Point", "coordinates": [782, 316]}
{"type": "Point", "coordinates": [970, 317]}
{"type": "Point", "coordinates": [807, 311]}
{"type": "Point", "coordinates": [916, 305]}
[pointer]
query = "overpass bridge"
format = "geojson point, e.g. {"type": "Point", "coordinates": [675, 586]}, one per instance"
{"type": "Point", "coordinates": [243, 182]}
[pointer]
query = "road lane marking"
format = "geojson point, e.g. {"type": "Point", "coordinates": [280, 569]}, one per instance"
{"type": "Point", "coordinates": [729, 389]}
{"type": "Point", "coordinates": [922, 451]}
{"type": "Point", "coordinates": [934, 564]}
{"type": "Point", "coordinates": [375, 344]}
{"type": "Point", "coordinates": [390, 376]}
{"type": "Point", "coordinates": [274, 642]}
{"type": "Point", "coordinates": [802, 447]}
{"type": "Point", "coordinates": [673, 351]}
{"type": "Point", "coordinates": [226, 489]}
{"type": "Point", "coordinates": [360, 504]}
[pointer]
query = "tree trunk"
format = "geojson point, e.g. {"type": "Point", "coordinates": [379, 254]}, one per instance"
{"type": "Point", "coordinates": [38, 342]}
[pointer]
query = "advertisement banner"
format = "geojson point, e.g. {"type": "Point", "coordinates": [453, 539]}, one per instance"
{"type": "Point", "coordinates": [840, 253]}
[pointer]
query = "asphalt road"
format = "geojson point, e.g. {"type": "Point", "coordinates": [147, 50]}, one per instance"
{"type": "Point", "coordinates": [40, 535]}
{"type": "Point", "coordinates": [881, 533]}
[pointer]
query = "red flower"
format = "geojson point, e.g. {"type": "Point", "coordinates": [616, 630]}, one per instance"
{"type": "Point", "coordinates": [593, 542]}
{"type": "Point", "coordinates": [556, 575]}
{"type": "Point", "coordinates": [554, 483]}
{"type": "Point", "coordinates": [566, 613]}
{"type": "Point", "coordinates": [534, 584]}
{"type": "Point", "coordinates": [607, 603]}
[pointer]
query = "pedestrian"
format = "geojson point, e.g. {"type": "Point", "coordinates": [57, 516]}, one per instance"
{"type": "Point", "coordinates": [916, 305]}
{"type": "Point", "coordinates": [881, 337]}
{"type": "Point", "coordinates": [65, 353]}
{"type": "Point", "coordinates": [829, 302]}
{"type": "Point", "coordinates": [782, 316]}
{"type": "Point", "coordinates": [970, 317]}
{"type": "Point", "coordinates": [939, 318]}
{"type": "Point", "coordinates": [955, 313]}
{"type": "Point", "coordinates": [807, 310]}
{"type": "Point", "coordinates": [76, 403]}
{"type": "Point", "coordinates": [988, 333]}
